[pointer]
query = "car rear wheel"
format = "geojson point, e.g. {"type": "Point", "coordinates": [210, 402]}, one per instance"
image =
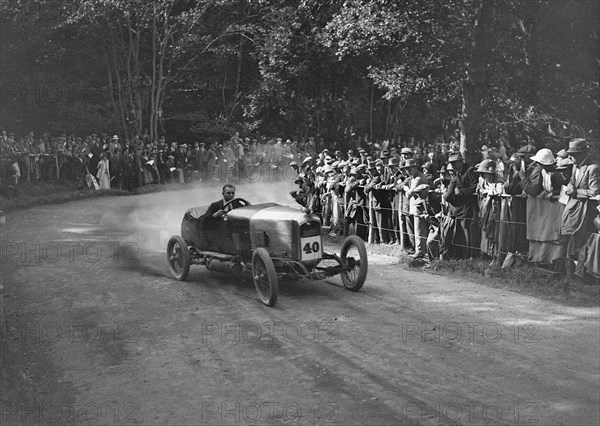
{"type": "Point", "coordinates": [354, 258]}
{"type": "Point", "coordinates": [178, 256]}
{"type": "Point", "coordinates": [265, 277]}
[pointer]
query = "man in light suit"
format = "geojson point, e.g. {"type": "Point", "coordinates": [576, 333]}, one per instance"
{"type": "Point", "coordinates": [584, 184]}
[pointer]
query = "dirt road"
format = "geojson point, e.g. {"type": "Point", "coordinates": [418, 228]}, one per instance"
{"type": "Point", "coordinates": [99, 334]}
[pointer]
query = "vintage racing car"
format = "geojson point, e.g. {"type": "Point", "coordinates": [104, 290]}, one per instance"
{"type": "Point", "coordinates": [270, 240]}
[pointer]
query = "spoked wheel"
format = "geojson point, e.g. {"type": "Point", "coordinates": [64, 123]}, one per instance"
{"type": "Point", "coordinates": [354, 257]}
{"type": "Point", "coordinates": [265, 277]}
{"type": "Point", "coordinates": [178, 256]}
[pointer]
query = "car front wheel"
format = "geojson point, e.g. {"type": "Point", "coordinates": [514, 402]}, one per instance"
{"type": "Point", "coordinates": [265, 277]}
{"type": "Point", "coordinates": [354, 261]}
{"type": "Point", "coordinates": [178, 256]}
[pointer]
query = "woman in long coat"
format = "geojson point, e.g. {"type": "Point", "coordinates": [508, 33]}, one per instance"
{"type": "Point", "coordinates": [103, 174]}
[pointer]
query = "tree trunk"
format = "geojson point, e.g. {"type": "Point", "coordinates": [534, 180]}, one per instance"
{"type": "Point", "coordinates": [238, 78]}
{"type": "Point", "coordinates": [152, 125]}
{"type": "Point", "coordinates": [473, 89]}
{"type": "Point", "coordinates": [111, 90]}
{"type": "Point", "coordinates": [371, 112]}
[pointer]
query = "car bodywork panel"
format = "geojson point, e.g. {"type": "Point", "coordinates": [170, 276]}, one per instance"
{"type": "Point", "coordinates": [285, 232]}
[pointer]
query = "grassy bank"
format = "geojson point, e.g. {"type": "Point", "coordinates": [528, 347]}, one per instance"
{"type": "Point", "coordinates": [32, 194]}
{"type": "Point", "coordinates": [523, 278]}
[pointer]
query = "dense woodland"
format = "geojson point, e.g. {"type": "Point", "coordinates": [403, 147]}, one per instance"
{"type": "Point", "coordinates": [383, 69]}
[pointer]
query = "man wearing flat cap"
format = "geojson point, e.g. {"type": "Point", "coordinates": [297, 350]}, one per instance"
{"type": "Point", "coordinates": [577, 219]}
{"type": "Point", "coordinates": [465, 236]}
{"type": "Point", "coordinates": [382, 206]}
{"type": "Point", "coordinates": [416, 227]}
{"type": "Point", "coordinates": [393, 177]}
{"type": "Point", "coordinates": [356, 213]}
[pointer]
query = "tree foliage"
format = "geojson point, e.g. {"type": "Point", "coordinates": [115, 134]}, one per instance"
{"type": "Point", "coordinates": [396, 69]}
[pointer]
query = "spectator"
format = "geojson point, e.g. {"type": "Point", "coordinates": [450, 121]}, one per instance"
{"type": "Point", "coordinates": [103, 173]}
{"type": "Point", "coordinates": [577, 220]}
{"type": "Point", "coordinates": [466, 234]}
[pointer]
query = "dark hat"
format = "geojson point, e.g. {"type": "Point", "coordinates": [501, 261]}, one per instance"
{"type": "Point", "coordinates": [350, 152]}
{"type": "Point", "coordinates": [564, 163]}
{"type": "Point", "coordinates": [428, 166]}
{"type": "Point", "coordinates": [456, 156]}
{"type": "Point", "coordinates": [409, 163]}
{"type": "Point", "coordinates": [577, 145]}
{"type": "Point", "coordinates": [562, 154]}
{"type": "Point", "coordinates": [487, 166]}
{"type": "Point", "coordinates": [393, 161]}
{"type": "Point", "coordinates": [421, 187]}
{"type": "Point", "coordinates": [527, 150]}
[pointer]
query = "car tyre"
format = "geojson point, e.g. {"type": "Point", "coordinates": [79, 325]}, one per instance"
{"type": "Point", "coordinates": [178, 256]}
{"type": "Point", "coordinates": [264, 276]}
{"type": "Point", "coordinates": [354, 279]}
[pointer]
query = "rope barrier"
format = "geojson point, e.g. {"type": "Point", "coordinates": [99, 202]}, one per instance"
{"type": "Point", "coordinates": [503, 225]}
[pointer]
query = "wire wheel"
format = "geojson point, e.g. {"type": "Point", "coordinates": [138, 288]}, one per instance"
{"type": "Point", "coordinates": [178, 256]}
{"type": "Point", "coordinates": [354, 259]}
{"type": "Point", "coordinates": [265, 277]}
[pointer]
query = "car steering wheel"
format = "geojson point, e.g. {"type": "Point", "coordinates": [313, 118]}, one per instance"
{"type": "Point", "coordinates": [227, 205]}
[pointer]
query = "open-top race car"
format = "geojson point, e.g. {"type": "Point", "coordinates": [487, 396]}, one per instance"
{"type": "Point", "coordinates": [270, 240]}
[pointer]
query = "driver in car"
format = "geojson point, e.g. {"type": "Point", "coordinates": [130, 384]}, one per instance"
{"type": "Point", "coordinates": [215, 210]}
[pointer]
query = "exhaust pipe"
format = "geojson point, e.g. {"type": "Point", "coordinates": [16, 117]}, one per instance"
{"type": "Point", "coordinates": [232, 268]}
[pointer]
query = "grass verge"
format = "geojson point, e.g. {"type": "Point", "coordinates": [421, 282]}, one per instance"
{"type": "Point", "coordinates": [524, 278]}
{"type": "Point", "coordinates": [33, 194]}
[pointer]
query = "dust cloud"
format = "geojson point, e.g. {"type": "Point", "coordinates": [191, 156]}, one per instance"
{"type": "Point", "coordinates": [144, 223]}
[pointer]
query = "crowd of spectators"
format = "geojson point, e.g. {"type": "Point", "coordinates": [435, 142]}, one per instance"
{"type": "Point", "coordinates": [533, 202]}
{"type": "Point", "coordinates": [525, 201]}
{"type": "Point", "coordinates": [126, 164]}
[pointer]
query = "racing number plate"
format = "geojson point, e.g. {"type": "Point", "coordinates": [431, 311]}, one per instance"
{"type": "Point", "coordinates": [311, 247]}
